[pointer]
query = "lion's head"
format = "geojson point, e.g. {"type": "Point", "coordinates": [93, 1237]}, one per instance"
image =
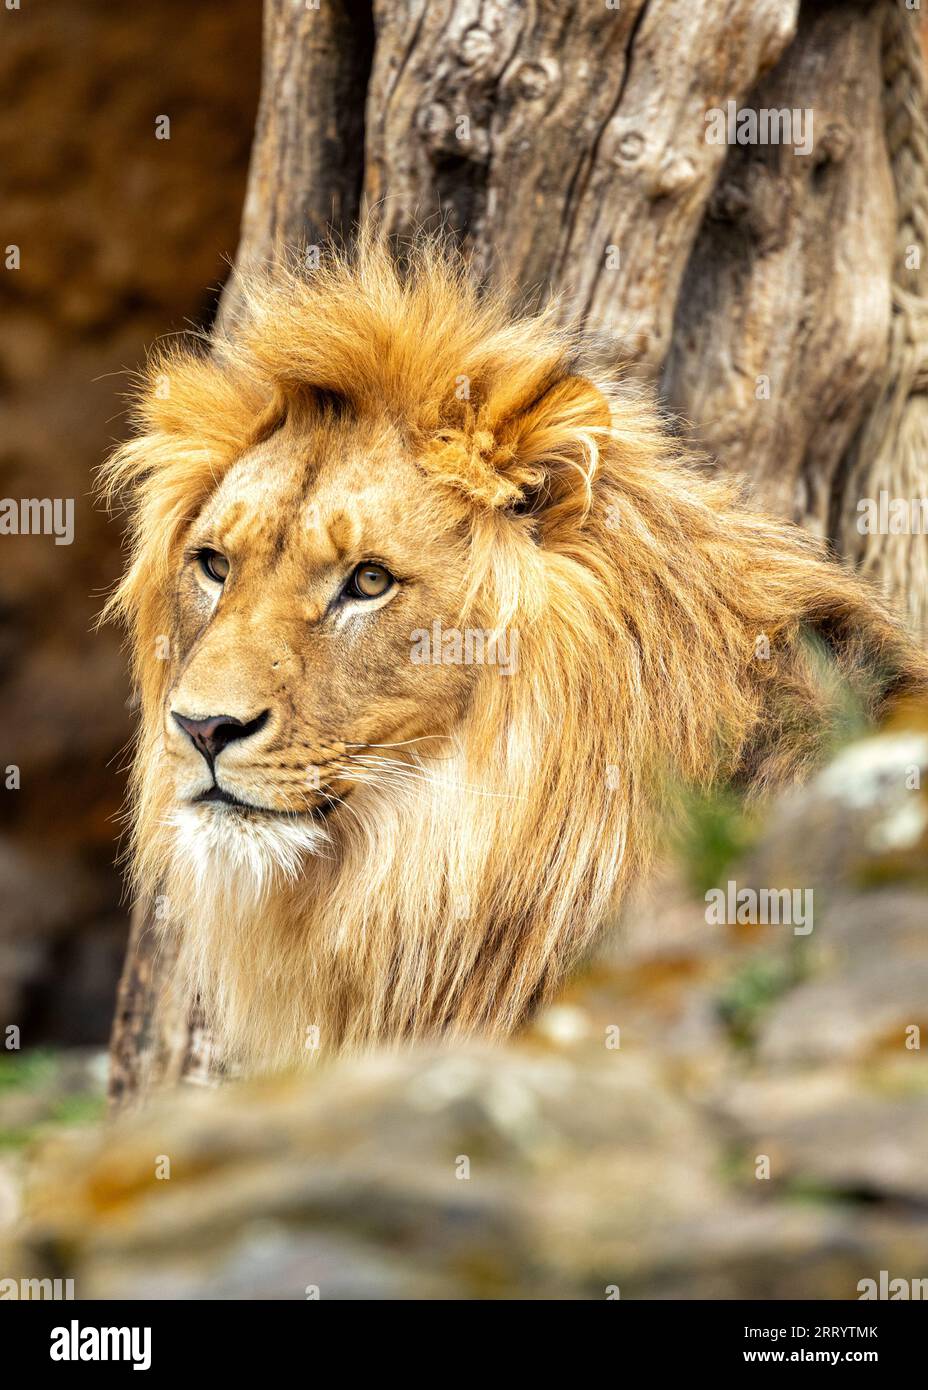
{"type": "Point", "coordinates": [422, 612]}
{"type": "Point", "coordinates": [305, 579]}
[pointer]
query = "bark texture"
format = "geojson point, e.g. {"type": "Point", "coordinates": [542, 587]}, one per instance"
{"type": "Point", "coordinates": [158, 1035]}
{"type": "Point", "coordinates": [307, 161]}
{"type": "Point", "coordinates": [781, 332]}
{"type": "Point", "coordinates": [564, 145]}
{"type": "Point", "coordinates": [549, 134]}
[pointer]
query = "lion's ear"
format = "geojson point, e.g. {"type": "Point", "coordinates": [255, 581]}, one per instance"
{"type": "Point", "coordinates": [552, 441]}
{"type": "Point", "coordinates": [526, 448]}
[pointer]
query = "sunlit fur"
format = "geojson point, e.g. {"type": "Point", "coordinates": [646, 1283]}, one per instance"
{"type": "Point", "coordinates": [458, 883]}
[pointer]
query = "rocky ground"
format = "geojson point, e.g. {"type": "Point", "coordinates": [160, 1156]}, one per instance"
{"type": "Point", "coordinates": [707, 1111]}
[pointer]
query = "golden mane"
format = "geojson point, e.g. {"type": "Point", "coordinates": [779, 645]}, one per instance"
{"type": "Point", "coordinates": [662, 628]}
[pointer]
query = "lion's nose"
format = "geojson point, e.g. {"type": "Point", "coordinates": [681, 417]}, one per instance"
{"type": "Point", "coordinates": [209, 736]}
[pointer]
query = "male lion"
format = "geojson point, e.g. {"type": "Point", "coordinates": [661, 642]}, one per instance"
{"type": "Point", "coordinates": [427, 618]}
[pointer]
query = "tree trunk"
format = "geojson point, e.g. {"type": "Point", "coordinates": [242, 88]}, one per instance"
{"type": "Point", "coordinates": [766, 294]}
{"type": "Point", "coordinates": [158, 1035]}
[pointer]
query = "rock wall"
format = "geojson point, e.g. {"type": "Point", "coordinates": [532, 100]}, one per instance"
{"type": "Point", "coordinates": [121, 237]}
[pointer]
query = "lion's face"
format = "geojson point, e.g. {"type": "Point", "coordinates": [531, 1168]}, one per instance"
{"type": "Point", "coordinates": [301, 586]}
{"type": "Point", "coordinates": [371, 455]}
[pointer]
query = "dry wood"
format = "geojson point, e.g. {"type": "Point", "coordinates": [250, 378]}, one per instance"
{"type": "Point", "coordinates": [549, 134]}
{"type": "Point", "coordinates": [788, 286]}
{"type": "Point", "coordinates": [307, 160]}
{"type": "Point", "coordinates": [158, 1037]}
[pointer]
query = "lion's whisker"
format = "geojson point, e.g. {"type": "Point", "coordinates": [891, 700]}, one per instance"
{"type": "Point", "coordinates": [404, 743]}
{"type": "Point", "coordinates": [334, 799]}
{"type": "Point", "coordinates": [421, 775]}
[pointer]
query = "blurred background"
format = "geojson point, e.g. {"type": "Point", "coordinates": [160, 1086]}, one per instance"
{"type": "Point", "coordinates": [122, 238]}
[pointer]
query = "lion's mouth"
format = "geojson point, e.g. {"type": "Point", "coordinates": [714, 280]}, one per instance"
{"type": "Point", "coordinates": [216, 794]}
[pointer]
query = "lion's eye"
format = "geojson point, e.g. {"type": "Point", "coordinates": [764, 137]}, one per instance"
{"type": "Point", "coordinates": [214, 565]}
{"type": "Point", "coordinates": [370, 581]}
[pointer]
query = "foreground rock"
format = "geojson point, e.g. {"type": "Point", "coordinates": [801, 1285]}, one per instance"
{"type": "Point", "coordinates": [708, 1111]}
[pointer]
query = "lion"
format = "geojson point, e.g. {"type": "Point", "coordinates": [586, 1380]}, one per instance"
{"type": "Point", "coordinates": [430, 613]}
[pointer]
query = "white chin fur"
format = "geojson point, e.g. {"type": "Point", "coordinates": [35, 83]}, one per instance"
{"type": "Point", "coordinates": [245, 853]}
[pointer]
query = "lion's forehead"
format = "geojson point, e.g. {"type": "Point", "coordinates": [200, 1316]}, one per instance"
{"type": "Point", "coordinates": [331, 504]}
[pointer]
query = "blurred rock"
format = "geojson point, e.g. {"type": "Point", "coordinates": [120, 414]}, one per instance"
{"type": "Point", "coordinates": [862, 821]}
{"type": "Point", "coordinates": [42, 1090]}
{"type": "Point", "coordinates": [705, 1112]}
{"type": "Point", "coordinates": [852, 1013]}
